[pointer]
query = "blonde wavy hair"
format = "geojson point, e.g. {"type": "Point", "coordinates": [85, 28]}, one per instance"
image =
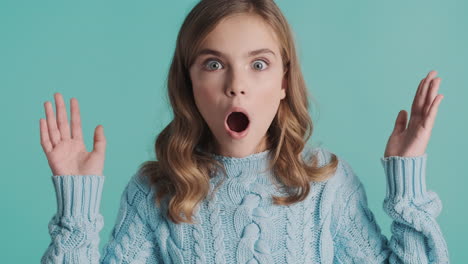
{"type": "Point", "coordinates": [184, 167]}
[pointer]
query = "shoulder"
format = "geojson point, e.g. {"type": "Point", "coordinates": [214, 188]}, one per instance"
{"type": "Point", "coordinates": [343, 178]}
{"type": "Point", "coordinates": [342, 186]}
{"type": "Point", "coordinates": [321, 154]}
{"type": "Point", "coordinates": [141, 181]}
{"type": "Point", "coordinates": [140, 194]}
{"type": "Point", "coordinates": [136, 190]}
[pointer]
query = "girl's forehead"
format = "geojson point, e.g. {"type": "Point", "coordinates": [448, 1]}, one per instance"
{"type": "Point", "coordinates": [243, 34]}
{"type": "Point", "coordinates": [242, 25]}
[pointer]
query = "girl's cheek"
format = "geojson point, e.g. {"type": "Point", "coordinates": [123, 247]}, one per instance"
{"type": "Point", "coordinates": [211, 78]}
{"type": "Point", "coordinates": [201, 75]}
{"type": "Point", "coordinates": [269, 79]}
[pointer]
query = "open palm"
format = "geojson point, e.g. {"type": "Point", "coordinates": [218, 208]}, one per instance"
{"type": "Point", "coordinates": [412, 140]}
{"type": "Point", "coordinates": [65, 151]}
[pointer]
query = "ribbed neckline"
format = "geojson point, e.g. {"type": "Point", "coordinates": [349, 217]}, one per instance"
{"type": "Point", "coordinates": [247, 159]}
{"type": "Point", "coordinates": [253, 163]}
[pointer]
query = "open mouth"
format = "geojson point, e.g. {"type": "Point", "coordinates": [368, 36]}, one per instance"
{"type": "Point", "coordinates": [237, 121]}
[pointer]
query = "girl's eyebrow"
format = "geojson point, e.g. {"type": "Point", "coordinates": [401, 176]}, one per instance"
{"type": "Point", "coordinates": [220, 54]}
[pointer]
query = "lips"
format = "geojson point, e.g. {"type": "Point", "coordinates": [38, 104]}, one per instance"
{"type": "Point", "coordinates": [237, 122]}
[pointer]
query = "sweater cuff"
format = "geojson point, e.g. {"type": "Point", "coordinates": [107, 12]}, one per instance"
{"type": "Point", "coordinates": [406, 177]}
{"type": "Point", "coordinates": [77, 195]}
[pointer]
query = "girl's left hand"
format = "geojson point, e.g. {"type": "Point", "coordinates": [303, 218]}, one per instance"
{"type": "Point", "coordinates": [412, 140]}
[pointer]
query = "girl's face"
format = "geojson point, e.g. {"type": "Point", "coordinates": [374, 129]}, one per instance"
{"type": "Point", "coordinates": [239, 65]}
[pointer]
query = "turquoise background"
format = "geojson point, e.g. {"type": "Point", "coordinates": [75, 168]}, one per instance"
{"type": "Point", "coordinates": [362, 61]}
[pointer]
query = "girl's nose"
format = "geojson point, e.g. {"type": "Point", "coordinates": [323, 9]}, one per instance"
{"type": "Point", "coordinates": [236, 85]}
{"type": "Point", "coordinates": [233, 92]}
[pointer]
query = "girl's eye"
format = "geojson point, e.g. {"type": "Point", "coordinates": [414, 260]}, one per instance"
{"type": "Point", "coordinates": [213, 65]}
{"type": "Point", "coordinates": [260, 66]}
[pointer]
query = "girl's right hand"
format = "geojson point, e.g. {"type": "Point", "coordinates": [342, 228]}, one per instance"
{"type": "Point", "coordinates": [66, 153]}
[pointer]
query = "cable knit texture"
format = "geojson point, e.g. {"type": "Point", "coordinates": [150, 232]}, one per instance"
{"type": "Point", "coordinates": [240, 223]}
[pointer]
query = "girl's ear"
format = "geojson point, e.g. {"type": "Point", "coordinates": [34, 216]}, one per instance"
{"type": "Point", "coordinates": [285, 78]}
{"type": "Point", "coordinates": [284, 85]}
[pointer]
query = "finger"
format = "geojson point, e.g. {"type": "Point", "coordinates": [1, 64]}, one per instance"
{"type": "Point", "coordinates": [430, 118]}
{"type": "Point", "coordinates": [54, 134]}
{"type": "Point", "coordinates": [45, 141]}
{"type": "Point", "coordinates": [62, 120]}
{"type": "Point", "coordinates": [432, 93]}
{"type": "Point", "coordinates": [400, 122]}
{"type": "Point", "coordinates": [421, 97]}
{"type": "Point", "coordinates": [75, 119]}
{"type": "Point", "coordinates": [416, 96]}
{"type": "Point", "coordinates": [99, 140]}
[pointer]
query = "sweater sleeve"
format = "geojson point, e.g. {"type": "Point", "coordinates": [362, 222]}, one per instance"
{"type": "Point", "coordinates": [416, 235]}
{"type": "Point", "coordinates": [74, 229]}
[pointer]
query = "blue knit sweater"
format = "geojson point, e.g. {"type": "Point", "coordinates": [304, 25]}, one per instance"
{"type": "Point", "coordinates": [241, 225]}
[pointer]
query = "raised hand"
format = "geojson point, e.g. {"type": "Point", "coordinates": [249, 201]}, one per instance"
{"type": "Point", "coordinates": [65, 151]}
{"type": "Point", "coordinates": [412, 140]}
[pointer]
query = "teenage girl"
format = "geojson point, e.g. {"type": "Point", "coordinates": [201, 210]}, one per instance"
{"type": "Point", "coordinates": [234, 181]}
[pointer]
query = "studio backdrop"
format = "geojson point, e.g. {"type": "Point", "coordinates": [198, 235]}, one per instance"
{"type": "Point", "coordinates": [362, 61]}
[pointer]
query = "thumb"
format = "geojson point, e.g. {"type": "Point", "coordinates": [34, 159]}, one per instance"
{"type": "Point", "coordinates": [99, 139]}
{"type": "Point", "coordinates": [400, 122]}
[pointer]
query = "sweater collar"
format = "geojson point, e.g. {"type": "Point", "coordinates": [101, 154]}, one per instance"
{"type": "Point", "coordinates": [253, 163]}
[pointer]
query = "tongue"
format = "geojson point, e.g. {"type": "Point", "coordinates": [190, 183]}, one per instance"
{"type": "Point", "coordinates": [237, 122]}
